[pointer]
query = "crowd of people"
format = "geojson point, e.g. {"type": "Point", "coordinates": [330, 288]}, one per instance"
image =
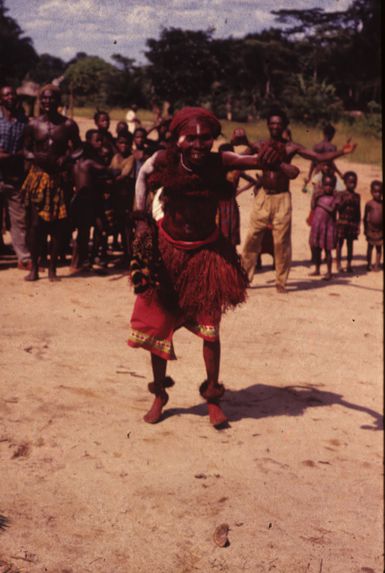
{"type": "Point", "coordinates": [168, 205]}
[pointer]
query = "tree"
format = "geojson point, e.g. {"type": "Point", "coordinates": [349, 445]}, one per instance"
{"type": "Point", "coordinates": [89, 79]}
{"type": "Point", "coordinates": [47, 69]}
{"type": "Point", "coordinates": [342, 47]}
{"type": "Point", "coordinates": [127, 85]}
{"type": "Point", "coordinates": [18, 54]}
{"type": "Point", "coordinates": [310, 101]}
{"type": "Point", "coordinates": [181, 65]}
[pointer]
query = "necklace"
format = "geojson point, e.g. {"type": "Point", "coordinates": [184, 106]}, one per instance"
{"type": "Point", "coordinates": [184, 165]}
{"type": "Point", "coordinates": [50, 140]}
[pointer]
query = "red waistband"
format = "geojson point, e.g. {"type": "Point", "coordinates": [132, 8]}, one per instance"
{"type": "Point", "coordinates": [188, 245]}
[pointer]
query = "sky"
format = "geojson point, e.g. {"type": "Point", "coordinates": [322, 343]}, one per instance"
{"type": "Point", "coordinates": [64, 27]}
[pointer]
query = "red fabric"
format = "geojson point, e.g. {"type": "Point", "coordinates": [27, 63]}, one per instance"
{"type": "Point", "coordinates": [187, 245]}
{"type": "Point", "coordinates": [182, 117]}
{"type": "Point", "coordinates": [152, 326]}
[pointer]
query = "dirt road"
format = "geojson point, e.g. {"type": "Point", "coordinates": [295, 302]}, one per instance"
{"type": "Point", "coordinates": [88, 487]}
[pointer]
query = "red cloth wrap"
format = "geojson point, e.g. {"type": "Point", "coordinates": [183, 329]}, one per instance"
{"type": "Point", "coordinates": [182, 117]}
{"type": "Point", "coordinates": [208, 280]}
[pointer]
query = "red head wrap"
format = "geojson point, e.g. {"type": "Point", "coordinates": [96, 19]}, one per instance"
{"type": "Point", "coordinates": [182, 117]}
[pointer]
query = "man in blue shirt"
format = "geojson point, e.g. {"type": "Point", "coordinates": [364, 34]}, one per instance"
{"type": "Point", "coordinates": [12, 126]}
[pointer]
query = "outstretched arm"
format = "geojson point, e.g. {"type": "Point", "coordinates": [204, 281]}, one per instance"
{"type": "Point", "coordinates": [268, 158]}
{"type": "Point", "coordinates": [328, 156]}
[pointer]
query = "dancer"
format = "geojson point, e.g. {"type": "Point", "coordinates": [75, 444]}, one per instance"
{"type": "Point", "coordinates": [190, 275]}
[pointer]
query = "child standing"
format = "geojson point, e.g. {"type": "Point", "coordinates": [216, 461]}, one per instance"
{"type": "Point", "coordinates": [373, 224]}
{"type": "Point", "coordinates": [349, 217]}
{"type": "Point", "coordinates": [323, 235]}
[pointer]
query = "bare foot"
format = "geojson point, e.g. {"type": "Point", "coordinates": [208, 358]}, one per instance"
{"type": "Point", "coordinates": [155, 412]}
{"type": "Point", "coordinates": [32, 276]}
{"type": "Point", "coordinates": [281, 289]}
{"type": "Point", "coordinates": [216, 414]}
{"type": "Point", "coordinates": [52, 276]}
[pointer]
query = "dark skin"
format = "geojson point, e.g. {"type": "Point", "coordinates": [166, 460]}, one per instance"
{"type": "Point", "coordinates": [122, 193]}
{"type": "Point", "coordinates": [278, 180]}
{"type": "Point", "coordinates": [373, 213]}
{"type": "Point", "coordinates": [10, 163]}
{"type": "Point", "coordinates": [86, 170]}
{"type": "Point", "coordinates": [51, 142]}
{"type": "Point", "coordinates": [328, 189]}
{"type": "Point", "coordinates": [351, 184]}
{"type": "Point", "coordinates": [194, 221]}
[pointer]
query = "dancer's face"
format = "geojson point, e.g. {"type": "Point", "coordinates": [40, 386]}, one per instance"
{"type": "Point", "coordinates": [195, 142]}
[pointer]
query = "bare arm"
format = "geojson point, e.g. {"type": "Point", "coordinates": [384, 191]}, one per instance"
{"type": "Point", "coordinates": [141, 182]}
{"type": "Point", "coordinates": [315, 156]}
{"type": "Point", "coordinates": [261, 161]}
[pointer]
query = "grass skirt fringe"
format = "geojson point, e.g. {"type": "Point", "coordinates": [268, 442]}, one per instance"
{"type": "Point", "coordinates": [208, 280]}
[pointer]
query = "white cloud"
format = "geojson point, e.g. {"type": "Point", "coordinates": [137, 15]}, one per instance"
{"type": "Point", "coordinates": [64, 27]}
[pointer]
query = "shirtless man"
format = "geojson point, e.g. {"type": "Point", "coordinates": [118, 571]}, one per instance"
{"type": "Point", "coordinates": [273, 203]}
{"type": "Point", "coordinates": [51, 142]}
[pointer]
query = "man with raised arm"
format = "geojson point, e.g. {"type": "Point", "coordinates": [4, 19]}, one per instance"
{"type": "Point", "coordinates": [272, 205]}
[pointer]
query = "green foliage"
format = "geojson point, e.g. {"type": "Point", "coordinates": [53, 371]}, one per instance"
{"type": "Point", "coordinates": [17, 54]}
{"type": "Point", "coordinates": [181, 65]}
{"type": "Point", "coordinates": [370, 123]}
{"type": "Point", "coordinates": [311, 101]}
{"type": "Point", "coordinates": [90, 79]}
{"type": "Point", "coordinates": [47, 69]}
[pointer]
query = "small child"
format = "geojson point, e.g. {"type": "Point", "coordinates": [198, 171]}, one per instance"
{"type": "Point", "coordinates": [323, 234]}
{"type": "Point", "coordinates": [373, 224]}
{"type": "Point", "coordinates": [102, 122]}
{"type": "Point", "coordinates": [124, 190]}
{"type": "Point", "coordinates": [349, 217]}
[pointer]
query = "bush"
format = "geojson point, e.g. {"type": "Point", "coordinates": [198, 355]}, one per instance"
{"type": "Point", "coordinates": [311, 102]}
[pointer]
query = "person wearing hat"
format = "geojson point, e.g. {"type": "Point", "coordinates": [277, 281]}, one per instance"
{"type": "Point", "coordinates": [186, 273]}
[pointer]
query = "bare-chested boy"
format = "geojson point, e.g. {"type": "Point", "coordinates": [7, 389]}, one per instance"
{"type": "Point", "coordinates": [51, 142]}
{"type": "Point", "coordinates": [87, 204]}
{"type": "Point", "coordinates": [349, 218]}
{"type": "Point", "coordinates": [123, 165]}
{"type": "Point", "coordinates": [373, 224]}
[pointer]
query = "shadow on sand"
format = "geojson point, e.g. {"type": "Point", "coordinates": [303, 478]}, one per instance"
{"type": "Point", "coordinates": [262, 401]}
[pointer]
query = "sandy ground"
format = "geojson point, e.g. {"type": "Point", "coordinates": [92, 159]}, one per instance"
{"type": "Point", "coordinates": [87, 486]}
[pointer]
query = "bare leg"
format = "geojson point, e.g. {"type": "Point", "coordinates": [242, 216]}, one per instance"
{"type": "Point", "coordinates": [329, 259]}
{"type": "Point", "coordinates": [57, 234]}
{"type": "Point", "coordinates": [317, 261]}
{"type": "Point", "coordinates": [211, 390]}
{"type": "Point", "coordinates": [349, 243]}
{"type": "Point", "coordinates": [339, 254]}
{"type": "Point", "coordinates": [159, 366]}
{"type": "Point", "coordinates": [36, 237]}
{"type": "Point", "coordinates": [378, 258]}
{"type": "Point", "coordinates": [369, 257]}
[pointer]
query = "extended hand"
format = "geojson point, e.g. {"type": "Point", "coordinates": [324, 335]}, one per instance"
{"type": "Point", "coordinates": [349, 147]}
